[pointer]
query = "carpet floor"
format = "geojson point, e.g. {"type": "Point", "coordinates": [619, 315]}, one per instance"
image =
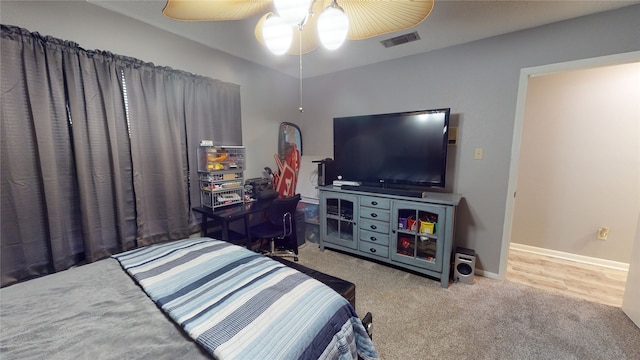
{"type": "Point", "coordinates": [414, 318]}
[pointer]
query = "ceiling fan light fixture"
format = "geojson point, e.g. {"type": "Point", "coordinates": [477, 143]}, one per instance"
{"type": "Point", "coordinates": [366, 18]}
{"type": "Point", "coordinates": [292, 12]}
{"type": "Point", "coordinates": [333, 25]}
{"type": "Point", "coordinates": [277, 35]}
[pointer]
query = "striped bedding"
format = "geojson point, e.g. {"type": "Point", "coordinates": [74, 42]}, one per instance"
{"type": "Point", "coordinates": [238, 304]}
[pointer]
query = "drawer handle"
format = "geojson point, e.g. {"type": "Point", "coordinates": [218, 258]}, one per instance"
{"type": "Point", "coordinates": [374, 203]}
{"type": "Point", "coordinates": [373, 238]}
{"type": "Point", "coordinates": [374, 215]}
{"type": "Point", "coordinates": [372, 250]}
{"type": "Point", "coordinates": [374, 227]}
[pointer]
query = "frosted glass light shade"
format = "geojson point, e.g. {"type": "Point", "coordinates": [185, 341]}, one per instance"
{"type": "Point", "coordinates": [333, 25]}
{"type": "Point", "coordinates": [277, 35]}
{"type": "Point", "coordinates": [292, 12]}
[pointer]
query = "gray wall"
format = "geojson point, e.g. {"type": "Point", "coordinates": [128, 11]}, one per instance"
{"type": "Point", "coordinates": [479, 81]}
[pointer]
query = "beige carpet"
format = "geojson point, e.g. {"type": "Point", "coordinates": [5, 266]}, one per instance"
{"type": "Point", "coordinates": [414, 318]}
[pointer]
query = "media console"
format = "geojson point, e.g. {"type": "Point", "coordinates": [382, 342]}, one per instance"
{"type": "Point", "coordinates": [407, 231]}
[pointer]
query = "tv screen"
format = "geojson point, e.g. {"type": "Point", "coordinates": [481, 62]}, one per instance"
{"type": "Point", "coordinates": [408, 148]}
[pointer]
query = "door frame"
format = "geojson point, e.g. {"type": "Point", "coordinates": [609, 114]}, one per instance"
{"type": "Point", "coordinates": [525, 74]}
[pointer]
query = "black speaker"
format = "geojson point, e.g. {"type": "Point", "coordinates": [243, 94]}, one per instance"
{"type": "Point", "coordinates": [464, 266]}
{"type": "Point", "coordinates": [326, 172]}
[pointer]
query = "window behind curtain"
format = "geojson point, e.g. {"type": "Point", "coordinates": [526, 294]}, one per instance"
{"type": "Point", "coordinates": [96, 151]}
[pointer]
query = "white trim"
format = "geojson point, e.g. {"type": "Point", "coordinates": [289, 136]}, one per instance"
{"type": "Point", "coordinates": [513, 172]}
{"type": "Point", "coordinates": [487, 274]}
{"type": "Point", "coordinates": [525, 74]}
{"type": "Point", "coordinates": [571, 257]}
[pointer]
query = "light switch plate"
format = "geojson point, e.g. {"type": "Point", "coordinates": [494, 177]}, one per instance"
{"type": "Point", "coordinates": [453, 135]}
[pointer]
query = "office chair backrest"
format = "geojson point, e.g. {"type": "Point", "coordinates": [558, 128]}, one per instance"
{"type": "Point", "coordinates": [281, 206]}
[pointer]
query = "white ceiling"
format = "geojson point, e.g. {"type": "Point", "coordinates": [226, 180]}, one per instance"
{"type": "Point", "coordinates": [450, 23]}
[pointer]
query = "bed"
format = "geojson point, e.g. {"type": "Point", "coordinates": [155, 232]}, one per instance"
{"type": "Point", "coordinates": [193, 299]}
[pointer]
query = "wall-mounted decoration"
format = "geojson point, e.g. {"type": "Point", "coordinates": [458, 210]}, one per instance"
{"type": "Point", "coordinates": [288, 159]}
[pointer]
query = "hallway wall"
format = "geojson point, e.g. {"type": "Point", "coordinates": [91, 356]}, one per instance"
{"type": "Point", "coordinates": [579, 166]}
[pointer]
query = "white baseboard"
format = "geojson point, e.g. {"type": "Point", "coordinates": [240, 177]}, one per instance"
{"type": "Point", "coordinates": [487, 274]}
{"type": "Point", "coordinates": [571, 257]}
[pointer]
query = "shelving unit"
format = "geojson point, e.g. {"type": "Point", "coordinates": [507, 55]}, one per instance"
{"type": "Point", "coordinates": [413, 233]}
{"type": "Point", "coordinates": [311, 221]}
{"type": "Point", "coordinates": [421, 244]}
{"type": "Point", "coordinates": [221, 175]}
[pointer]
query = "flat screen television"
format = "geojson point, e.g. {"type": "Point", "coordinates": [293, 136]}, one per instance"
{"type": "Point", "coordinates": [398, 150]}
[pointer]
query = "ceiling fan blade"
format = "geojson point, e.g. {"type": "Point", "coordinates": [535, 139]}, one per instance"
{"type": "Point", "coordinates": [372, 18]}
{"type": "Point", "coordinates": [213, 10]}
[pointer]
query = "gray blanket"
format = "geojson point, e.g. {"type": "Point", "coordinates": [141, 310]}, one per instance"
{"type": "Point", "coordinates": [92, 312]}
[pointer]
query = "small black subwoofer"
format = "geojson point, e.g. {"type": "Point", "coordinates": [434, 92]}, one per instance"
{"type": "Point", "coordinates": [326, 172]}
{"type": "Point", "coordinates": [464, 266]}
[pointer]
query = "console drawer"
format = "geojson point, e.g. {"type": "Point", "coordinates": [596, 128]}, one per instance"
{"type": "Point", "coordinates": [376, 214]}
{"type": "Point", "coordinates": [374, 249]}
{"type": "Point", "coordinates": [374, 237]}
{"type": "Point", "coordinates": [375, 202]}
{"type": "Point", "coordinates": [374, 225]}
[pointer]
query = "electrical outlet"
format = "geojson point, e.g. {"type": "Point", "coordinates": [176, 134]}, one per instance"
{"type": "Point", "coordinates": [603, 232]}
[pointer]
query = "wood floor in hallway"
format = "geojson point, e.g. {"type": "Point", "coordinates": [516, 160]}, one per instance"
{"type": "Point", "coordinates": [585, 281]}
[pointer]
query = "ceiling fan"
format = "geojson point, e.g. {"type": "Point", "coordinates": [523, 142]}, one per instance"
{"type": "Point", "coordinates": [326, 22]}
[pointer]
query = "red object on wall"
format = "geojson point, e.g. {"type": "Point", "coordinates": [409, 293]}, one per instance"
{"type": "Point", "coordinates": [285, 181]}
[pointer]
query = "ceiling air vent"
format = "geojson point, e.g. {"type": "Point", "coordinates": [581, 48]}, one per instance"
{"type": "Point", "coordinates": [402, 39]}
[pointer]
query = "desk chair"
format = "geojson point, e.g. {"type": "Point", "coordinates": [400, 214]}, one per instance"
{"type": "Point", "coordinates": [279, 227]}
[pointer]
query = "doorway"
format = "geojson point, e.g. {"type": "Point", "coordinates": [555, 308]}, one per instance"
{"type": "Point", "coordinates": [518, 152]}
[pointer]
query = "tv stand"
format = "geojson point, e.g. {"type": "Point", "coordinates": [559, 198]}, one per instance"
{"type": "Point", "coordinates": [414, 233]}
{"type": "Point", "coordinates": [386, 190]}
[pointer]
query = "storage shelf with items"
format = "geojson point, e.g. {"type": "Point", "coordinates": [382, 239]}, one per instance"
{"type": "Point", "coordinates": [221, 173]}
{"type": "Point", "coordinates": [310, 209]}
{"type": "Point", "coordinates": [417, 241]}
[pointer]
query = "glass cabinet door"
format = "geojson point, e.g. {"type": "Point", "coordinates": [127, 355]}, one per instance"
{"type": "Point", "coordinates": [339, 226]}
{"type": "Point", "coordinates": [416, 237]}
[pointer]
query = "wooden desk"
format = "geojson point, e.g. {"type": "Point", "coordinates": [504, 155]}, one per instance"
{"type": "Point", "coordinates": [228, 214]}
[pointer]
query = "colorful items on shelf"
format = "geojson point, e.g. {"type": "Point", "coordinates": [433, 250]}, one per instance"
{"type": "Point", "coordinates": [423, 226]}
{"type": "Point", "coordinates": [427, 227]}
{"type": "Point", "coordinates": [214, 160]}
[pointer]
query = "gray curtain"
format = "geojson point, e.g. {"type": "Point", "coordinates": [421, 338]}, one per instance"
{"type": "Point", "coordinates": [40, 226]}
{"type": "Point", "coordinates": [96, 151]}
{"type": "Point", "coordinates": [171, 112]}
{"type": "Point", "coordinates": [101, 151]}
{"type": "Point", "coordinates": [159, 154]}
